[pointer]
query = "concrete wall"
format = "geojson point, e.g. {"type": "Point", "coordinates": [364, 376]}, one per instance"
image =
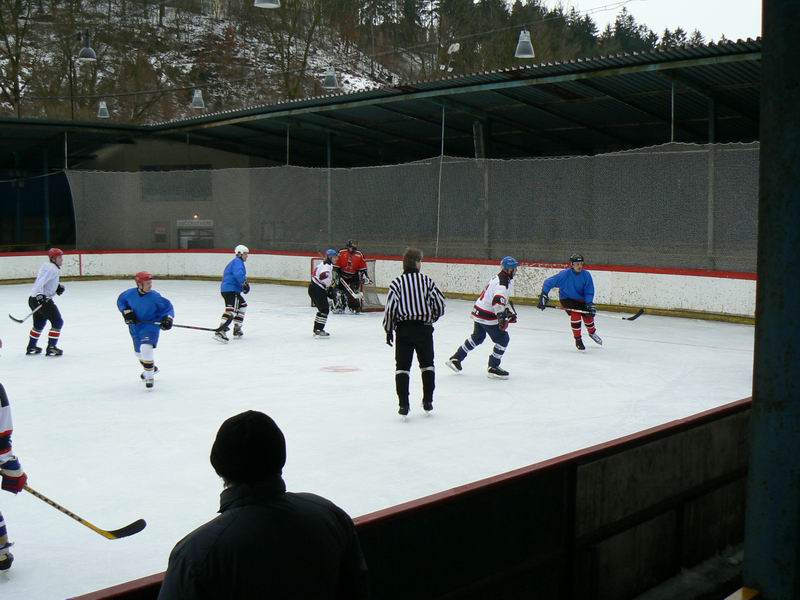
{"type": "Point", "coordinates": [707, 292]}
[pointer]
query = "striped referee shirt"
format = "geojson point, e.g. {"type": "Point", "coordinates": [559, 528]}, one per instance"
{"type": "Point", "coordinates": [412, 297]}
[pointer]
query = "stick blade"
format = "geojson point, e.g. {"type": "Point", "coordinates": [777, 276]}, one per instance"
{"type": "Point", "coordinates": [128, 530]}
{"type": "Point", "coordinates": [638, 314]}
{"type": "Point", "coordinates": [15, 319]}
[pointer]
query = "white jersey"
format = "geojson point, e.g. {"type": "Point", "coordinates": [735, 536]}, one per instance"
{"type": "Point", "coordinates": [493, 300]}
{"type": "Point", "coordinates": [46, 280]}
{"type": "Point", "coordinates": [323, 275]}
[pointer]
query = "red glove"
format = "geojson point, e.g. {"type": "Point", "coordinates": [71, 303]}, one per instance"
{"type": "Point", "coordinates": [14, 484]}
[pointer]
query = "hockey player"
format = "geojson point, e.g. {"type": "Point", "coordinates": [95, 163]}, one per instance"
{"type": "Point", "coordinates": [576, 292]}
{"type": "Point", "coordinates": [234, 284]}
{"type": "Point", "coordinates": [14, 478]}
{"type": "Point", "coordinates": [319, 290]}
{"type": "Point", "coordinates": [492, 313]}
{"type": "Point", "coordinates": [351, 268]}
{"type": "Point", "coordinates": [41, 300]}
{"type": "Point", "coordinates": [145, 311]}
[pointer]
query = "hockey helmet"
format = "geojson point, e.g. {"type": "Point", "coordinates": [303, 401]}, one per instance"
{"type": "Point", "coordinates": [508, 263]}
{"type": "Point", "coordinates": [351, 245]}
{"type": "Point", "coordinates": [330, 252]}
{"type": "Point", "coordinates": [54, 253]}
{"type": "Point", "coordinates": [576, 258]}
{"type": "Point", "coordinates": [142, 276]}
{"type": "Point", "coordinates": [241, 249]}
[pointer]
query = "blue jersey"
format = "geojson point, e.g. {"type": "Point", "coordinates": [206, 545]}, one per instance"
{"type": "Point", "coordinates": [234, 276]}
{"type": "Point", "coordinates": [571, 285]}
{"type": "Point", "coordinates": [149, 309]}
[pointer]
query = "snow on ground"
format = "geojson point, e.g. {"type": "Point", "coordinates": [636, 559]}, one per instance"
{"type": "Point", "coordinates": [92, 438]}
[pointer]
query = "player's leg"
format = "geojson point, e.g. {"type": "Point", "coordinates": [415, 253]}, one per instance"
{"type": "Point", "coordinates": [6, 558]}
{"type": "Point", "coordinates": [424, 349]}
{"type": "Point", "coordinates": [39, 323]}
{"type": "Point", "coordinates": [229, 298]}
{"type": "Point", "coordinates": [472, 342]}
{"type": "Point", "coordinates": [53, 315]}
{"type": "Point", "coordinates": [320, 300]}
{"type": "Point", "coordinates": [238, 317]}
{"type": "Point", "coordinates": [501, 340]}
{"type": "Point", "coordinates": [403, 355]}
{"type": "Point", "coordinates": [147, 354]}
{"type": "Point", "coordinates": [575, 320]}
{"type": "Point", "coordinates": [354, 282]}
{"type": "Point", "coordinates": [588, 320]}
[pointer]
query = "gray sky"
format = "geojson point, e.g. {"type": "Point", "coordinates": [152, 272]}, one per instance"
{"type": "Point", "coordinates": [734, 18]}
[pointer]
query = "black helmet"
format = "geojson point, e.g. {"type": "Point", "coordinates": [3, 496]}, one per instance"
{"type": "Point", "coordinates": [350, 244]}
{"type": "Point", "coordinates": [576, 258]}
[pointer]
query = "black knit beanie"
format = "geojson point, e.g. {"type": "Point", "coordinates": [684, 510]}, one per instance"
{"type": "Point", "coordinates": [250, 447]}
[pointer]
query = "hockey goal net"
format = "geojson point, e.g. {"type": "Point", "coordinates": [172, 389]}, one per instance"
{"type": "Point", "coordinates": [370, 302]}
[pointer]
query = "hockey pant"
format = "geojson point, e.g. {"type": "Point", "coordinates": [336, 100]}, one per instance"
{"type": "Point", "coordinates": [320, 299]}
{"type": "Point", "coordinates": [414, 336]}
{"type": "Point", "coordinates": [48, 312]}
{"type": "Point", "coordinates": [479, 332]}
{"type": "Point", "coordinates": [235, 307]}
{"type": "Point", "coordinates": [575, 318]}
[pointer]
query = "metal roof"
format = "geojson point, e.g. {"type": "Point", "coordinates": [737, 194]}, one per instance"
{"type": "Point", "coordinates": [582, 106]}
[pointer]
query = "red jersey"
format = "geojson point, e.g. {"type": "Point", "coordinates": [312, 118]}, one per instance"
{"type": "Point", "coordinates": [350, 263]}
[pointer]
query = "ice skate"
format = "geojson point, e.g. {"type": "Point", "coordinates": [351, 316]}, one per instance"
{"type": "Point", "coordinates": [321, 334]}
{"type": "Point", "coordinates": [54, 351]}
{"type": "Point", "coordinates": [596, 339]}
{"type": "Point", "coordinates": [237, 332]}
{"type": "Point", "coordinates": [33, 350]}
{"type": "Point", "coordinates": [427, 407]}
{"type": "Point", "coordinates": [454, 364]}
{"type": "Point", "coordinates": [6, 558]}
{"type": "Point", "coordinates": [403, 411]}
{"type": "Point", "coordinates": [221, 337]}
{"type": "Point", "coordinates": [149, 383]}
{"type": "Point", "coordinates": [142, 377]}
{"type": "Point", "coordinates": [579, 344]}
{"type": "Point", "coordinates": [497, 373]}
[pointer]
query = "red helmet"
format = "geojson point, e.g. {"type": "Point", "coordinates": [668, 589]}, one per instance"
{"type": "Point", "coordinates": [54, 253]}
{"type": "Point", "coordinates": [143, 276]}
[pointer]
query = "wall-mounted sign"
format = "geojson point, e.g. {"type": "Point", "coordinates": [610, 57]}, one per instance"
{"type": "Point", "coordinates": [195, 223]}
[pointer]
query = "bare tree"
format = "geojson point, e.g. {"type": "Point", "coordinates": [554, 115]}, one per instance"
{"type": "Point", "coordinates": [14, 23]}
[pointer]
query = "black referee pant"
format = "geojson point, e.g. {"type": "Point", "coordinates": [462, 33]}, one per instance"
{"type": "Point", "coordinates": [414, 336]}
{"type": "Point", "coordinates": [320, 299]}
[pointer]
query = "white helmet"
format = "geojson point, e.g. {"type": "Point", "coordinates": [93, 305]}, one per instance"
{"type": "Point", "coordinates": [241, 249]}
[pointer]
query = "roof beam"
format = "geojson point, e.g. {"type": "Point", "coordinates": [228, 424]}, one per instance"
{"type": "Point", "coordinates": [553, 113]}
{"type": "Point", "coordinates": [634, 105]}
{"type": "Point", "coordinates": [383, 131]}
{"type": "Point", "coordinates": [711, 94]}
{"type": "Point", "coordinates": [483, 114]}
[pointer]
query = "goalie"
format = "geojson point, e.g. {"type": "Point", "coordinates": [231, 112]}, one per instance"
{"type": "Point", "coordinates": [349, 276]}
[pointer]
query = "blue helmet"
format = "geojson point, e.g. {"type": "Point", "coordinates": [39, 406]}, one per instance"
{"type": "Point", "coordinates": [330, 252]}
{"type": "Point", "coordinates": [509, 262]}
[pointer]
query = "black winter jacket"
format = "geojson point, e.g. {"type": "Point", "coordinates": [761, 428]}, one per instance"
{"type": "Point", "coordinates": [268, 543]}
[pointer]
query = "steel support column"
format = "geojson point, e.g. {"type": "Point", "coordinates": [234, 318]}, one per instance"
{"type": "Point", "coordinates": [772, 530]}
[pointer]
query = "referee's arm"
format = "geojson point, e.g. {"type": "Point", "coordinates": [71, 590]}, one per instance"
{"type": "Point", "coordinates": [388, 312]}
{"type": "Point", "coordinates": [435, 302]}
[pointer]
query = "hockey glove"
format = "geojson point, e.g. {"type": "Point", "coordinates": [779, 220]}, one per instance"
{"type": "Point", "coordinates": [129, 316]}
{"type": "Point", "coordinates": [60, 289]}
{"type": "Point", "coordinates": [542, 301]}
{"type": "Point", "coordinates": [591, 308]}
{"type": "Point", "coordinates": [502, 320]}
{"type": "Point", "coordinates": [389, 338]}
{"type": "Point", "coordinates": [42, 299]}
{"type": "Point", "coordinates": [14, 478]}
{"type": "Point", "coordinates": [245, 288]}
{"type": "Point", "coordinates": [166, 323]}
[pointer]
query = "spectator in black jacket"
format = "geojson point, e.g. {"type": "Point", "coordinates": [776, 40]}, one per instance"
{"type": "Point", "coordinates": [267, 542]}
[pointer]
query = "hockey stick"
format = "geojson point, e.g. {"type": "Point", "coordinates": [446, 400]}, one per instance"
{"type": "Point", "coordinates": [26, 317]}
{"type": "Point", "coordinates": [131, 529]}
{"type": "Point", "coordinates": [638, 314]}
{"type": "Point", "coordinates": [355, 295]}
{"type": "Point", "coordinates": [183, 326]}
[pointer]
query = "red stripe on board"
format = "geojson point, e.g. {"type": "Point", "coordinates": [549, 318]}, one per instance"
{"type": "Point", "coordinates": [592, 452]}
{"type": "Point", "coordinates": [444, 260]}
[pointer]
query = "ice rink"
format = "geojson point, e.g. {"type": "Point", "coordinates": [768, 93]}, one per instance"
{"type": "Point", "coordinates": [91, 437]}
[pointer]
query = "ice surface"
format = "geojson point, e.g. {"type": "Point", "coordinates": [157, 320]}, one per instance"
{"type": "Point", "coordinates": [92, 438]}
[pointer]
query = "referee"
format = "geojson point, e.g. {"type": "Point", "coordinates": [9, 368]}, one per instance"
{"type": "Point", "coordinates": [413, 305]}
